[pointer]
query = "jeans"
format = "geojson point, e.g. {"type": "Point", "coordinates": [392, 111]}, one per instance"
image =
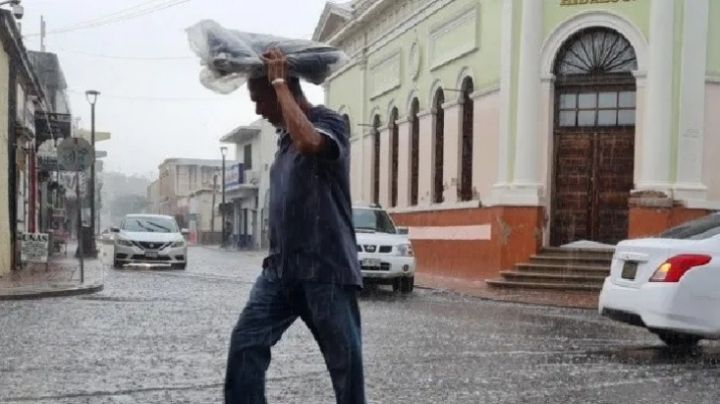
{"type": "Point", "coordinates": [330, 312]}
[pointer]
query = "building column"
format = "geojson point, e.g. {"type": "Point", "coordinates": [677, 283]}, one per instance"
{"type": "Point", "coordinates": [404, 169]}
{"type": "Point", "coordinates": [525, 187]}
{"type": "Point", "coordinates": [689, 186]}
{"type": "Point", "coordinates": [655, 161]}
{"type": "Point", "coordinates": [426, 159]}
{"type": "Point", "coordinates": [368, 155]}
{"type": "Point", "coordinates": [452, 151]}
{"type": "Point", "coordinates": [385, 167]}
{"type": "Point", "coordinates": [506, 91]}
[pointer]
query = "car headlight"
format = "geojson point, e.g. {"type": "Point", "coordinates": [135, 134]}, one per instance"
{"type": "Point", "coordinates": [123, 242]}
{"type": "Point", "coordinates": [178, 244]}
{"type": "Point", "coordinates": [404, 250]}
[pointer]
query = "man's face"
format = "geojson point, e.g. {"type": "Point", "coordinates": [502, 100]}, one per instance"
{"type": "Point", "coordinates": [265, 99]}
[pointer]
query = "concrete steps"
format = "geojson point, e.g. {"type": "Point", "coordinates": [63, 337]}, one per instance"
{"type": "Point", "coordinates": [559, 269]}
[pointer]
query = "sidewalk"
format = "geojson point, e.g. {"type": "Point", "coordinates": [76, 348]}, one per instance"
{"type": "Point", "coordinates": [479, 289]}
{"type": "Point", "coordinates": [62, 278]}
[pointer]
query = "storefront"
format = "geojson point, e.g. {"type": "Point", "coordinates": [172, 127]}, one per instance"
{"type": "Point", "coordinates": [493, 128]}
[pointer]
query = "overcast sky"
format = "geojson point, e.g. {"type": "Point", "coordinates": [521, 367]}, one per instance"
{"type": "Point", "coordinates": [157, 109]}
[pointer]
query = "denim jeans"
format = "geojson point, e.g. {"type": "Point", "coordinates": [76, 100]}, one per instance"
{"type": "Point", "coordinates": [330, 312]}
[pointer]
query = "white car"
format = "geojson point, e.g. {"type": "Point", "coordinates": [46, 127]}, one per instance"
{"type": "Point", "coordinates": [669, 285]}
{"type": "Point", "coordinates": [151, 239]}
{"type": "Point", "coordinates": [385, 252]}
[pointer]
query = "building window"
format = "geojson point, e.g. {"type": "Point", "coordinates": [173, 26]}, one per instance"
{"type": "Point", "coordinates": [438, 146]}
{"type": "Point", "coordinates": [414, 152]}
{"type": "Point", "coordinates": [247, 157]}
{"type": "Point", "coordinates": [394, 132]}
{"type": "Point", "coordinates": [466, 168]}
{"type": "Point", "coordinates": [376, 160]}
{"type": "Point", "coordinates": [346, 118]}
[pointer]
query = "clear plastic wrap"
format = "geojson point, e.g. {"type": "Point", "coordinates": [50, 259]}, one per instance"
{"type": "Point", "coordinates": [232, 57]}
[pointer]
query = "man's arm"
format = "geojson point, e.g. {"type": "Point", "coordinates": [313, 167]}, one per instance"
{"type": "Point", "coordinates": [306, 139]}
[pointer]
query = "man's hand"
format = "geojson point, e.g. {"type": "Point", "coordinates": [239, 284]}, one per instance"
{"type": "Point", "coordinates": [276, 64]}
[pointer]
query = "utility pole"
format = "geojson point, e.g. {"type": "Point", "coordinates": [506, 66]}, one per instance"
{"type": "Point", "coordinates": [43, 32]}
{"type": "Point", "coordinates": [212, 208]}
{"type": "Point", "coordinates": [223, 150]}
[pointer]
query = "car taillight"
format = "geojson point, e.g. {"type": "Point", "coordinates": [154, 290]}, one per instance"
{"type": "Point", "coordinates": [673, 269]}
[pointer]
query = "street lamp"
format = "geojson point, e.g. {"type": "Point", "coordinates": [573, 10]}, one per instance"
{"type": "Point", "coordinates": [223, 242]}
{"type": "Point", "coordinates": [92, 96]}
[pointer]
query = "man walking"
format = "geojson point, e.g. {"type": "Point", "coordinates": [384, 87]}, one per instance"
{"type": "Point", "coordinates": [312, 271]}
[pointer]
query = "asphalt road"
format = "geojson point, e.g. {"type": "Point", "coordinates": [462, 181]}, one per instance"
{"type": "Point", "coordinates": [162, 337]}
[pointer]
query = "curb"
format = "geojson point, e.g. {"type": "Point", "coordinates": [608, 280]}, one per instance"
{"type": "Point", "coordinates": [502, 300]}
{"type": "Point", "coordinates": [47, 293]}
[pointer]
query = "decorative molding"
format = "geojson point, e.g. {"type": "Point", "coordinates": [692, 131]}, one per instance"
{"type": "Point", "coordinates": [474, 204]}
{"type": "Point", "coordinates": [415, 60]}
{"type": "Point", "coordinates": [712, 79]}
{"type": "Point", "coordinates": [386, 75]}
{"type": "Point", "coordinates": [594, 18]}
{"type": "Point", "coordinates": [455, 233]}
{"type": "Point", "coordinates": [443, 49]}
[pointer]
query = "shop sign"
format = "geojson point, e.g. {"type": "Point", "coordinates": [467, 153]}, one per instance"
{"type": "Point", "coordinates": [234, 176]}
{"type": "Point", "coordinates": [50, 125]}
{"type": "Point", "coordinates": [34, 247]}
{"type": "Point", "coordinates": [584, 2]}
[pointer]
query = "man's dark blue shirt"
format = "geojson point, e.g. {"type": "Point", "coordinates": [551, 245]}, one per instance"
{"type": "Point", "coordinates": [312, 237]}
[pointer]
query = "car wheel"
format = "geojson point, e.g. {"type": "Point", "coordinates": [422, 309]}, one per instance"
{"type": "Point", "coordinates": [117, 265]}
{"type": "Point", "coordinates": [396, 284]}
{"type": "Point", "coordinates": [407, 284]}
{"type": "Point", "coordinates": [678, 340]}
{"type": "Point", "coordinates": [180, 266]}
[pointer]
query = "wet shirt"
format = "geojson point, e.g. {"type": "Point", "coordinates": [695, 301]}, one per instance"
{"type": "Point", "coordinates": [312, 236]}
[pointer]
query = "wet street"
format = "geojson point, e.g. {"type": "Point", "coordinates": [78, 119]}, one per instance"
{"type": "Point", "coordinates": [161, 337]}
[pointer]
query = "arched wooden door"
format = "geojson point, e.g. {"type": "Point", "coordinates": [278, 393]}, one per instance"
{"type": "Point", "coordinates": [594, 137]}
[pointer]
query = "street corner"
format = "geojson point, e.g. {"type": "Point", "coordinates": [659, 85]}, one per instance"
{"type": "Point", "coordinates": [48, 291]}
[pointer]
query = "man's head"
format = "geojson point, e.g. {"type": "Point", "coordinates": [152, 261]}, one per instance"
{"type": "Point", "coordinates": [263, 95]}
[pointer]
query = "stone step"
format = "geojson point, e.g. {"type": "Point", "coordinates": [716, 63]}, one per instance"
{"type": "Point", "coordinates": [541, 277]}
{"type": "Point", "coordinates": [502, 283]}
{"type": "Point", "coordinates": [587, 252]}
{"type": "Point", "coordinates": [569, 260]}
{"type": "Point", "coordinates": [597, 270]}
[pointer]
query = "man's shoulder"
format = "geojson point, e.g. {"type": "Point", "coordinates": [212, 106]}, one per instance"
{"type": "Point", "coordinates": [321, 112]}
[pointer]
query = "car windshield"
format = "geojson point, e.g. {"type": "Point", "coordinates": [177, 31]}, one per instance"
{"type": "Point", "coordinates": [150, 225]}
{"type": "Point", "coordinates": [700, 229]}
{"type": "Point", "coordinates": [372, 220]}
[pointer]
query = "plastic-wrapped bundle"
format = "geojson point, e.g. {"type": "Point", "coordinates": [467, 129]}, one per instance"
{"type": "Point", "coordinates": [232, 57]}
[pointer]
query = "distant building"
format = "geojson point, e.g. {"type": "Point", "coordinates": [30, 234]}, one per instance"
{"type": "Point", "coordinates": [185, 190]}
{"type": "Point", "coordinates": [248, 182]}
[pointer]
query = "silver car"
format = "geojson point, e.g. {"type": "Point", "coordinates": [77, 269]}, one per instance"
{"type": "Point", "coordinates": [151, 239]}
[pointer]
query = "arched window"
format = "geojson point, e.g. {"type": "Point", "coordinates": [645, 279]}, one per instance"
{"type": "Point", "coordinates": [466, 153]}
{"type": "Point", "coordinates": [376, 160]}
{"type": "Point", "coordinates": [346, 118]}
{"type": "Point", "coordinates": [414, 152]}
{"type": "Point", "coordinates": [394, 157]}
{"type": "Point", "coordinates": [438, 145]}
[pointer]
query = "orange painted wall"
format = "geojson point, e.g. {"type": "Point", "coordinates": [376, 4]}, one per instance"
{"type": "Point", "coordinates": [646, 222]}
{"type": "Point", "coordinates": [516, 235]}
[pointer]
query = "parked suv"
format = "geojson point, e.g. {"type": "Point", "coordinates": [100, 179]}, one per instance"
{"type": "Point", "coordinates": [385, 252]}
{"type": "Point", "coordinates": [150, 239]}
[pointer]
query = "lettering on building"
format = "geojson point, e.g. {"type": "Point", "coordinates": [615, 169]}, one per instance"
{"type": "Point", "coordinates": [584, 2]}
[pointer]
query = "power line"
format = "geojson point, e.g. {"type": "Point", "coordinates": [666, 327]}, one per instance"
{"type": "Point", "coordinates": [159, 99]}
{"type": "Point", "coordinates": [120, 16]}
{"type": "Point", "coordinates": [137, 58]}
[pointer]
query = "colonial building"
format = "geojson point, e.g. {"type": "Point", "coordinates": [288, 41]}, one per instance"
{"type": "Point", "coordinates": [248, 184]}
{"type": "Point", "coordinates": [494, 128]}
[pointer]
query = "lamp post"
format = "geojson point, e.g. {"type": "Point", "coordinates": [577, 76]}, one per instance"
{"type": "Point", "coordinates": [223, 242]}
{"type": "Point", "coordinates": [91, 96]}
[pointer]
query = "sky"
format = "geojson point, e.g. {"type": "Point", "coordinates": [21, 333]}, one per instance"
{"type": "Point", "coordinates": [156, 109]}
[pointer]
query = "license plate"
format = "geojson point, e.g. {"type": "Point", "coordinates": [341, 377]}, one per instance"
{"type": "Point", "coordinates": [151, 254]}
{"type": "Point", "coordinates": [371, 263]}
{"type": "Point", "coordinates": [629, 270]}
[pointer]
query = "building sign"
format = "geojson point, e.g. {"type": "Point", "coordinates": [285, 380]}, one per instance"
{"type": "Point", "coordinates": [74, 154]}
{"type": "Point", "coordinates": [50, 125]}
{"type": "Point", "coordinates": [234, 176]}
{"type": "Point", "coordinates": [34, 247]}
{"type": "Point", "coordinates": [584, 2]}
